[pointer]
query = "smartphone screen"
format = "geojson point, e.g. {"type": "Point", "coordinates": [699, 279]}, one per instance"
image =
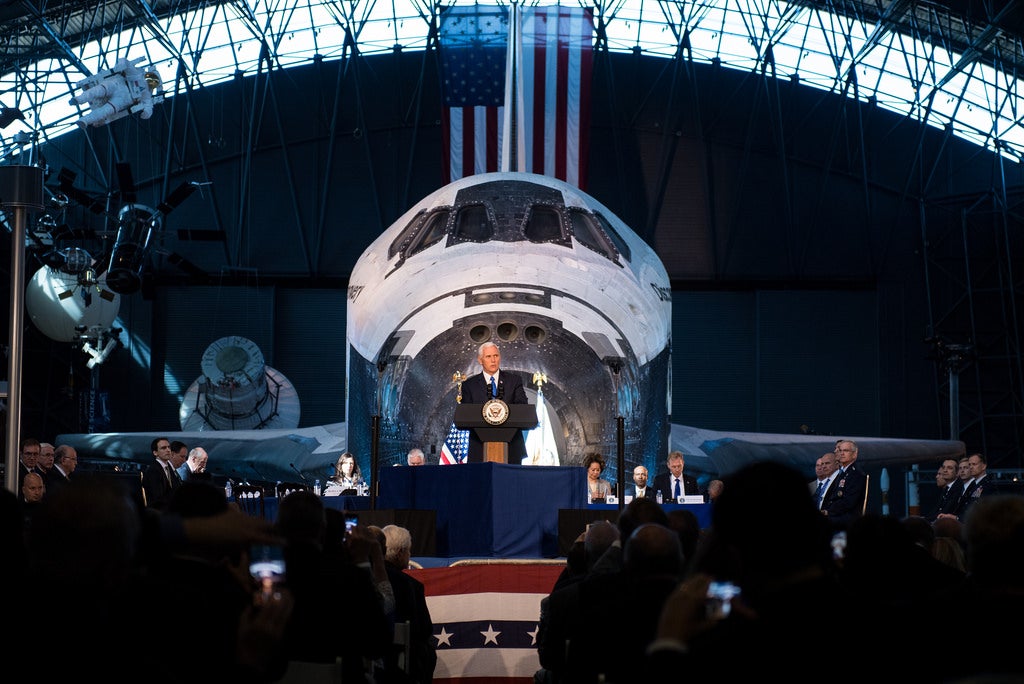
{"type": "Point", "coordinates": [351, 520]}
{"type": "Point", "coordinates": [267, 567]}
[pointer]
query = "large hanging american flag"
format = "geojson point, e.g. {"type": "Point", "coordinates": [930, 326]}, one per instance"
{"type": "Point", "coordinates": [474, 48]}
{"type": "Point", "coordinates": [553, 63]}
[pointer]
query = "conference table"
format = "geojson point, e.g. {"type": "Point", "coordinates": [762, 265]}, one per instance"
{"type": "Point", "coordinates": [572, 522]}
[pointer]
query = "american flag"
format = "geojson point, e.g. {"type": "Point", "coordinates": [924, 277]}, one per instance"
{"type": "Point", "coordinates": [485, 620]}
{"type": "Point", "coordinates": [455, 447]}
{"type": "Point", "coordinates": [554, 66]}
{"type": "Point", "coordinates": [474, 47]}
{"type": "Point", "coordinates": [554, 112]}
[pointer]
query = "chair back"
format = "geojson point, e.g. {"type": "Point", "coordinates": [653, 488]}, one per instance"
{"type": "Point", "coordinates": [285, 488]}
{"type": "Point", "coordinates": [249, 499]}
{"type": "Point", "coordinates": [402, 645]}
{"type": "Point", "coordinates": [305, 672]}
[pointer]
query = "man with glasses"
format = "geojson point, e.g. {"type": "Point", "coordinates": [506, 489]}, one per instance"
{"type": "Point", "coordinates": [845, 498]}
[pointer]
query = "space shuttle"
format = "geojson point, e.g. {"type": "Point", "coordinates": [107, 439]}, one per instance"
{"type": "Point", "coordinates": [567, 291]}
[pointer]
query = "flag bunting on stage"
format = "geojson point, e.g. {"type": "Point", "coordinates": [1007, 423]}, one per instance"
{"type": "Point", "coordinates": [455, 448]}
{"type": "Point", "coordinates": [548, 97]}
{"type": "Point", "coordinates": [485, 619]}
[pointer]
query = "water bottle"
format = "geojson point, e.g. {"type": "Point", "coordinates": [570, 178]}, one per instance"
{"type": "Point", "coordinates": [316, 487]}
{"type": "Point", "coordinates": [658, 497]}
{"type": "Point", "coordinates": [227, 490]}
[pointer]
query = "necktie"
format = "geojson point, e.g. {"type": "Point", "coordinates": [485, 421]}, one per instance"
{"type": "Point", "coordinates": [820, 493]}
{"type": "Point", "coordinates": [494, 387]}
{"type": "Point", "coordinates": [679, 491]}
{"type": "Point", "coordinates": [170, 474]}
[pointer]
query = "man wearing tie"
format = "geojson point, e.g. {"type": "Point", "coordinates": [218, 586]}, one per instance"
{"type": "Point", "coordinates": [160, 479]}
{"type": "Point", "coordinates": [640, 490]}
{"type": "Point", "coordinates": [494, 383]}
{"type": "Point", "coordinates": [674, 483]}
{"type": "Point", "coordinates": [824, 468]}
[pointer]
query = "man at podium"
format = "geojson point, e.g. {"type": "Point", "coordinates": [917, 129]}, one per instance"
{"type": "Point", "coordinates": [494, 383]}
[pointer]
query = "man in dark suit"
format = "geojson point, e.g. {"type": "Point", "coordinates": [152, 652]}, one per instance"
{"type": "Point", "coordinates": [411, 606]}
{"type": "Point", "coordinates": [949, 487]}
{"type": "Point", "coordinates": [65, 460]}
{"type": "Point", "coordinates": [160, 479]}
{"type": "Point", "coordinates": [499, 384]}
{"type": "Point", "coordinates": [639, 488]}
{"type": "Point", "coordinates": [844, 500]}
{"type": "Point", "coordinates": [675, 483]}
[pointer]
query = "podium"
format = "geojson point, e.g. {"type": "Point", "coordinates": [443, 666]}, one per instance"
{"type": "Point", "coordinates": [495, 437]}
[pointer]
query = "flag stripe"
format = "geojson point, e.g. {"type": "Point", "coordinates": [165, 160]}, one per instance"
{"type": "Point", "coordinates": [486, 618]}
{"type": "Point", "coordinates": [557, 56]}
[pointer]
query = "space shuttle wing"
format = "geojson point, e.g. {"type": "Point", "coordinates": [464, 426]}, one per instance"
{"type": "Point", "coordinates": [720, 452]}
{"type": "Point", "coordinates": [237, 454]}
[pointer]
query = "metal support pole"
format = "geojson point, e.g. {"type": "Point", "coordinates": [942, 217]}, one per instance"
{"type": "Point", "coordinates": [21, 189]}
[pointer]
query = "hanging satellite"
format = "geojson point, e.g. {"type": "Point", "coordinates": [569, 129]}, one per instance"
{"type": "Point", "coordinates": [67, 301]}
{"type": "Point", "coordinates": [238, 391]}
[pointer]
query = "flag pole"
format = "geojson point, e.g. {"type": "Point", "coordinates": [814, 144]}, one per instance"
{"type": "Point", "coordinates": [513, 96]}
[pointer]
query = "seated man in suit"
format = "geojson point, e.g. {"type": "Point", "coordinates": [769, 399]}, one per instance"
{"type": "Point", "coordinates": [639, 488]}
{"type": "Point", "coordinates": [674, 483]}
{"type": "Point", "coordinates": [496, 384]}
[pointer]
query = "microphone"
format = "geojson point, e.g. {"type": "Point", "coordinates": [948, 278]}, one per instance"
{"type": "Point", "coordinates": [258, 473]}
{"type": "Point", "coordinates": [298, 472]}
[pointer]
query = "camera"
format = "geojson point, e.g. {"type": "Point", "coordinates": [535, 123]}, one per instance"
{"type": "Point", "coordinates": [351, 520]}
{"type": "Point", "coordinates": [267, 568]}
{"type": "Point", "coordinates": [719, 599]}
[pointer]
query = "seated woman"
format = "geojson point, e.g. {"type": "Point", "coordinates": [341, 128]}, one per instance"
{"type": "Point", "coordinates": [347, 480]}
{"type": "Point", "coordinates": [597, 489]}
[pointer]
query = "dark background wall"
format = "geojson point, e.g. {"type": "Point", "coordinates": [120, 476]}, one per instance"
{"type": "Point", "coordinates": [814, 243]}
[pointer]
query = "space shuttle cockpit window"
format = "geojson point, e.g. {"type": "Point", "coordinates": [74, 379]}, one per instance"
{"type": "Point", "coordinates": [435, 227]}
{"type": "Point", "coordinates": [473, 224]}
{"type": "Point", "coordinates": [610, 231]}
{"type": "Point", "coordinates": [587, 230]}
{"type": "Point", "coordinates": [544, 224]}
{"type": "Point", "coordinates": [408, 233]}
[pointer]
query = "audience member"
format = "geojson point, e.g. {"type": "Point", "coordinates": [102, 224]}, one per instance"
{"type": "Point", "coordinates": [411, 607]}
{"type": "Point", "coordinates": [981, 484]}
{"type": "Point", "coordinates": [179, 454]}
{"type": "Point", "coordinates": [675, 483]}
{"type": "Point", "coordinates": [639, 488]}
{"type": "Point", "coordinates": [32, 491]}
{"type": "Point", "coordinates": [824, 469]}
{"type": "Point", "coordinates": [949, 487]}
{"type": "Point", "coordinates": [994, 597]}
{"type": "Point", "coordinates": [685, 524]}
{"type": "Point", "coordinates": [347, 479]}
{"type": "Point", "coordinates": [160, 479]}
{"type": "Point", "coordinates": [560, 608]}
{"type": "Point", "coordinates": [45, 461]}
{"type": "Point", "coordinates": [28, 454]}
{"type": "Point", "coordinates": [194, 467]}
{"type": "Point", "coordinates": [782, 563]}
{"type": "Point", "coordinates": [964, 477]}
{"type": "Point", "coordinates": [714, 489]}
{"type": "Point", "coordinates": [598, 489]}
{"type": "Point", "coordinates": [65, 460]}
{"type": "Point", "coordinates": [623, 607]}
{"type": "Point", "coordinates": [328, 587]}
{"type": "Point", "coordinates": [415, 457]}
{"type": "Point", "coordinates": [844, 499]}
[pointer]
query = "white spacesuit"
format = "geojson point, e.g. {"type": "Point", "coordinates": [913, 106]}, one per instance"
{"type": "Point", "coordinates": [115, 93]}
